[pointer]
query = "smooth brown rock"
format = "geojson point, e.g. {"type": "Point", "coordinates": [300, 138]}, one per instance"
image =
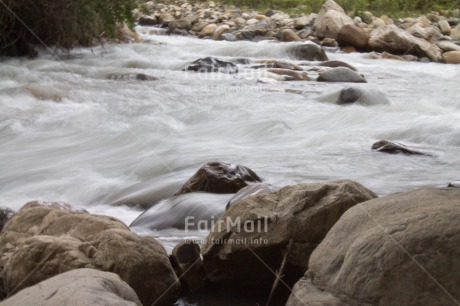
{"type": "Point", "coordinates": [402, 249]}
{"type": "Point", "coordinates": [341, 74]}
{"type": "Point", "coordinates": [219, 177]}
{"type": "Point", "coordinates": [451, 57]}
{"type": "Point", "coordinates": [289, 35]}
{"type": "Point", "coordinates": [75, 288]}
{"type": "Point", "coordinates": [297, 75]}
{"type": "Point", "coordinates": [444, 27]}
{"type": "Point", "coordinates": [208, 30]}
{"type": "Point", "coordinates": [351, 35]}
{"type": "Point", "coordinates": [45, 239]}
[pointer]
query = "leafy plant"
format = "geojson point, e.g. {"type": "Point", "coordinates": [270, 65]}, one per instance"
{"type": "Point", "coordinates": [61, 23]}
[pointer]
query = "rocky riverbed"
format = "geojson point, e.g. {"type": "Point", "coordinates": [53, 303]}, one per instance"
{"type": "Point", "coordinates": [431, 37]}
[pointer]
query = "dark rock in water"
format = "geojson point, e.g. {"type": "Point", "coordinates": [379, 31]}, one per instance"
{"type": "Point", "coordinates": [190, 211]}
{"type": "Point", "coordinates": [376, 254]}
{"type": "Point", "coordinates": [5, 215]}
{"type": "Point", "coordinates": [187, 263]}
{"type": "Point", "coordinates": [309, 52]}
{"type": "Point", "coordinates": [361, 95]}
{"type": "Point", "coordinates": [210, 64]}
{"type": "Point", "coordinates": [335, 64]}
{"type": "Point", "coordinates": [219, 177]}
{"type": "Point", "coordinates": [132, 77]}
{"type": "Point", "coordinates": [251, 190]}
{"type": "Point", "coordinates": [147, 21]}
{"type": "Point", "coordinates": [390, 147]}
{"type": "Point", "coordinates": [264, 225]}
{"type": "Point", "coordinates": [178, 32]}
{"type": "Point", "coordinates": [341, 74]}
{"type": "Point", "coordinates": [77, 287]}
{"type": "Point", "coordinates": [349, 95]}
{"type": "Point", "coordinates": [455, 184]}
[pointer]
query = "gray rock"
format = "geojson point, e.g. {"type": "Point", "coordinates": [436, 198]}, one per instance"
{"type": "Point", "coordinates": [264, 224]}
{"type": "Point", "coordinates": [187, 261]}
{"type": "Point", "coordinates": [309, 52]}
{"type": "Point", "coordinates": [397, 41]}
{"type": "Point", "coordinates": [402, 249]}
{"type": "Point", "coordinates": [76, 288]}
{"type": "Point", "coordinates": [228, 37]}
{"type": "Point", "coordinates": [341, 74]}
{"type": "Point", "coordinates": [210, 64]}
{"type": "Point", "coordinates": [335, 64]}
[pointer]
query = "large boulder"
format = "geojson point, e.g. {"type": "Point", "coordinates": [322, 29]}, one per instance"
{"type": "Point", "coordinates": [75, 288]}
{"type": "Point", "coordinates": [219, 177]}
{"type": "Point", "coordinates": [308, 52]}
{"type": "Point", "coordinates": [247, 242]}
{"type": "Point", "coordinates": [45, 239]}
{"type": "Point", "coordinates": [341, 74]}
{"type": "Point", "coordinates": [402, 249]}
{"type": "Point", "coordinates": [353, 36]}
{"type": "Point", "coordinates": [331, 19]}
{"type": "Point", "coordinates": [394, 40]}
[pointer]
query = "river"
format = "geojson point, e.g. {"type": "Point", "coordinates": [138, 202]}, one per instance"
{"type": "Point", "coordinates": [70, 133]}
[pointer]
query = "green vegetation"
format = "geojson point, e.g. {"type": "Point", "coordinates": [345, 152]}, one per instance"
{"type": "Point", "coordinates": [395, 8]}
{"type": "Point", "coordinates": [60, 23]}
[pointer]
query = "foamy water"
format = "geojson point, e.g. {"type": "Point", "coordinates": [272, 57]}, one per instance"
{"type": "Point", "coordinates": [69, 133]}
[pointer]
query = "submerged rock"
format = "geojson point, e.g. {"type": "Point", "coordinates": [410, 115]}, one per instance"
{"type": "Point", "coordinates": [190, 211]}
{"type": "Point", "coordinates": [131, 77]}
{"type": "Point", "coordinates": [45, 239]}
{"type": "Point", "coordinates": [362, 96]}
{"type": "Point", "coordinates": [278, 64]}
{"type": "Point", "coordinates": [219, 177]}
{"type": "Point", "coordinates": [247, 243]}
{"type": "Point", "coordinates": [341, 74]}
{"type": "Point", "coordinates": [75, 288]}
{"type": "Point", "coordinates": [296, 75]}
{"type": "Point", "coordinates": [251, 190]}
{"type": "Point", "coordinates": [210, 64]}
{"type": "Point", "coordinates": [308, 52]}
{"type": "Point", "coordinates": [390, 147]}
{"type": "Point", "coordinates": [402, 249]}
{"type": "Point", "coordinates": [335, 64]}
{"type": "Point", "coordinates": [455, 184]}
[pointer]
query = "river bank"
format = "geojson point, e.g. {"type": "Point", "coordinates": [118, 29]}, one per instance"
{"type": "Point", "coordinates": [430, 37]}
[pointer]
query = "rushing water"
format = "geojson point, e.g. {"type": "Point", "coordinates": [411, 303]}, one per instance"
{"type": "Point", "coordinates": [70, 133]}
